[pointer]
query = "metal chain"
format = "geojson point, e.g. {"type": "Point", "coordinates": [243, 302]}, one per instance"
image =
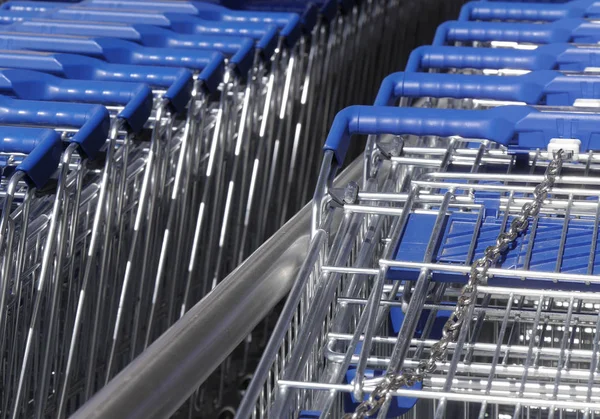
{"type": "Point", "coordinates": [468, 296]}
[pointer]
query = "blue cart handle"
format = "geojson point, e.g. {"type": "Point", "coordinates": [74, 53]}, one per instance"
{"type": "Point", "coordinates": [544, 87]}
{"type": "Point", "coordinates": [92, 121]}
{"type": "Point", "coordinates": [487, 11]}
{"type": "Point", "coordinates": [32, 85]}
{"type": "Point", "coordinates": [308, 12]}
{"type": "Point", "coordinates": [209, 63]}
{"type": "Point", "coordinates": [42, 146]}
{"type": "Point", "coordinates": [546, 57]}
{"type": "Point", "coordinates": [265, 35]}
{"type": "Point", "coordinates": [565, 30]}
{"type": "Point", "coordinates": [531, 1]}
{"type": "Point", "coordinates": [517, 127]}
{"type": "Point", "coordinates": [288, 23]}
{"type": "Point", "coordinates": [178, 82]}
{"type": "Point", "coordinates": [240, 50]}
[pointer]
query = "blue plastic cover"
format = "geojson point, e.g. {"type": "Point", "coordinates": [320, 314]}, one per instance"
{"type": "Point", "coordinates": [457, 237]}
{"type": "Point", "coordinates": [559, 56]}
{"type": "Point", "coordinates": [209, 63]}
{"type": "Point", "coordinates": [288, 23]}
{"type": "Point", "coordinates": [264, 34]}
{"type": "Point", "coordinates": [42, 146]}
{"type": "Point", "coordinates": [573, 30]}
{"type": "Point", "coordinates": [517, 127]}
{"type": "Point", "coordinates": [32, 85]}
{"type": "Point", "coordinates": [544, 87]}
{"type": "Point", "coordinates": [239, 50]}
{"type": "Point", "coordinates": [92, 121]}
{"type": "Point", "coordinates": [177, 81]}
{"type": "Point", "coordinates": [536, 12]}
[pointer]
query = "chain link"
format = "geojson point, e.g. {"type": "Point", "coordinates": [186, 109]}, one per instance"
{"type": "Point", "coordinates": [468, 296]}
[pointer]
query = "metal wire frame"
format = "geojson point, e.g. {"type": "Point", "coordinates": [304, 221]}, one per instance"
{"type": "Point", "coordinates": [358, 313]}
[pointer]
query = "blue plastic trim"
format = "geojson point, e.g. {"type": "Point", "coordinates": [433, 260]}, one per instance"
{"type": "Point", "coordinates": [544, 87]}
{"type": "Point", "coordinates": [240, 50]}
{"type": "Point", "coordinates": [176, 81]}
{"type": "Point", "coordinates": [457, 236]}
{"type": "Point", "coordinates": [92, 121]}
{"type": "Point", "coordinates": [42, 146]}
{"type": "Point", "coordinates": [565, 30]}
{"type": "Point", "coordinates": [545, 57]}
{"type": "Point", "coordinates": [32, 85]}
{"type": "Point", "coordinates": [517, 127]}
{"type": "Point", "coordinates": [181, 23]}
{"type": "Point", "coordinates": [289, 24]}
{"type": "Point", "coordinates": [109, 49]}
{"type": "Point", "coordinates": [486, 11]}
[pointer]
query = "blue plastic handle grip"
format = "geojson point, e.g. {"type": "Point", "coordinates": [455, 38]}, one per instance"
{"type": "Point", "coordinates": [177, 81]}
{"type": "Point", "coordinates": [564, 30]}
{"type": "Point", "coordinates": [42, 146]}
{"type": "Point", "coordinates": [544, 87]}
{"type": "Point", "coordinates": [539, 12]}
{"type": "Point", "coordinates": [517, 127]}
{"type": "Point", "coordinates": [311, 12]}
{"type": "Point", "coordinates": [239, 50]}
{"type": "Point", "coordinates": [531, 1]}
{"type": "Point", "coordinates": [209, 63]}
{"type": "Point", "coordinates": [327, 9]}
{"type": "Point", "coordinates": [92, 121]}
{"type": "Point", "coordinates": [32, 85]}
{"type": "Point", "coordinates": [264, 34]}
{"type": "Point", "coordinates": [287, 23]}
{"type": "Point", "coordinates": [546, 57]}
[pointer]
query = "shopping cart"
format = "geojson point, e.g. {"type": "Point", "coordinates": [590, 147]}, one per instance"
{"type": "Point", "coordinates": [311, 356]}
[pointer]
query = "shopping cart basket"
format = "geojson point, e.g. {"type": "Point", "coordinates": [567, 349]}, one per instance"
{"type": "Point", "coordinates": [319, 348]}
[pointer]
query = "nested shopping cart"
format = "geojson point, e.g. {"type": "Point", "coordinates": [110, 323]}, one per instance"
{"type": "Point", "coordinates": [364, 294]}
